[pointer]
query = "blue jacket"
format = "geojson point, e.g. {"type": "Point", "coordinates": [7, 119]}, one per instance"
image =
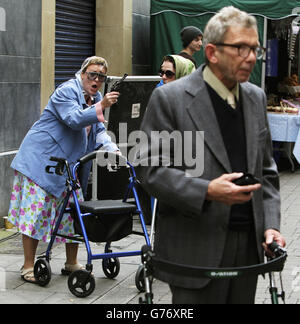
{"type": "Point", "coordinates": [61, 132]}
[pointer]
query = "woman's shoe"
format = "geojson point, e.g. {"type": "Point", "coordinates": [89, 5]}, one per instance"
{"type": "Point", "coordinates": [69, 268]}
{"type": "Point", "coordinates": [28, 275]}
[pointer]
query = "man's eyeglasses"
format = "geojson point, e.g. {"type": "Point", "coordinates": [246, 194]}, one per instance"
{"type": "Point", "coordinates": [169, 74]}
{"type": "Point", "coordinates": [244, 50]}
{"type": "Point", "coordinates": [93, 76]}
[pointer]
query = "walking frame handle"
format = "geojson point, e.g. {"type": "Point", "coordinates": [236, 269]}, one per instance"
{"type": "Point", "coordinates": [59, 168]}
{"type": "Point", "coordinates": [275, 263]}
{"type": "Point", "coordinates": [278, 251]}
{"type": "Point", "coordinates": [108, 158]}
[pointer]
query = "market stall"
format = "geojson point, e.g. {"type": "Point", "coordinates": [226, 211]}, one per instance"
{"type": "Point", "coordinates": [168, 17]}
{"type": "Point", "coordinates": [283, 64]}
{"type": "Point", "coordinates": [282, 86]}
{"type": "Point", "coordinates": [278, 74]}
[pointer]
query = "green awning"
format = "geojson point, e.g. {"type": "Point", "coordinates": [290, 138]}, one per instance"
{"type": "Point", "coordinates": [168, 17]}
{"type": "Point", "coordinates": [272, 9]}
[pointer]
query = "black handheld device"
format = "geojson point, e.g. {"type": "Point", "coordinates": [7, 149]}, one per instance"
{"type": "Point", "coordinates": [246, 179]}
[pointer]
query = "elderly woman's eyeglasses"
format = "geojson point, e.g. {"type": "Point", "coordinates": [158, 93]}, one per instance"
{"type": "Point", "coordinates": [244, 50]}
{"type": "Point", "coordinates": [169, 74]}
{"type": "Point", "coordinates": [93, 76]}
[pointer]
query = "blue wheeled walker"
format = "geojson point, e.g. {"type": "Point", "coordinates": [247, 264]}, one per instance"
{"type": "Point", "coordinates": [96, 221]}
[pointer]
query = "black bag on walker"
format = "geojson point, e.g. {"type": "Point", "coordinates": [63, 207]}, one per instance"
{"type": "Point", "coordinates": [105, 228]}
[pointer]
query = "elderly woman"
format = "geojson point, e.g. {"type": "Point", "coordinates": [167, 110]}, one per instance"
{"type": "Point", "coordinates": [174, 67]}
{"type": "Point", "coordinates": [70, 127]}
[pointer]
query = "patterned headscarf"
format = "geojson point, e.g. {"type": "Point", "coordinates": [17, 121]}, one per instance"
{"type": "Point", "coordinates": [183, 66]}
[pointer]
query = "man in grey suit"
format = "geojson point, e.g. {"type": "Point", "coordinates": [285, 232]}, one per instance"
{"type": "Point", "coordinates": [206, 219]}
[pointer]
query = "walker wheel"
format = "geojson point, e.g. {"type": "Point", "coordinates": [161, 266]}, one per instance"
{"type": "Point", "coordinates": [81, 283]}
{"type": "Point", "coordinates": [139, 279]}
{"type": "Point", "coordinates": [111, 267]}
{"type": "Point", "coordinates": [42, 272]}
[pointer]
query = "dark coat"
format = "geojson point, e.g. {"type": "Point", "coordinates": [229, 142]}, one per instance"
{"type": "Point", "coordinates": [191, 230]}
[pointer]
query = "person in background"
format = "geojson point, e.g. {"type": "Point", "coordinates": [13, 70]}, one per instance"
{"type": "Point", "coordinates": [204, 218]}
{"type": "Point", "coordinates": [174, 67]}
{"type": "Point", "coordinates": [191, 38]}
{"type": "Point", "coordinates": [70, 127]}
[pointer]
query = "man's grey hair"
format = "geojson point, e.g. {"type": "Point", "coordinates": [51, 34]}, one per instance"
{"type": "Point", "coordinates": [219, 24]}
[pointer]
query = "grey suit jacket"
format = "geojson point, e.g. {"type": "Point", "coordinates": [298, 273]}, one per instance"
{"type": "Point", "coordinates": [190, 229]}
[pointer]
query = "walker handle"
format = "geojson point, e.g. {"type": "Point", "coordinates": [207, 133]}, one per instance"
{"type": "Point", "coordinates": [59, 168]}
{"type": "Point", "coordinates": [276, 249]}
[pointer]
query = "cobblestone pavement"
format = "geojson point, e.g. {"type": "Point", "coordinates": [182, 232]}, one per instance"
{"type": "Point", "coordinates": [290, 228]}
{"type": "Point", "coordinates": [122, 290]}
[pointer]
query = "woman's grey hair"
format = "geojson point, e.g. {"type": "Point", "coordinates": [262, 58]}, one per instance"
{"type": "Point", "coordinates": [219, 24]}
{"type": "Point", "coordinates": [93, 60]}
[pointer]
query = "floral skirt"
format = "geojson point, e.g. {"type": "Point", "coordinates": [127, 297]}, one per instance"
{"type": "Point", "coordinates": [34, 212]}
